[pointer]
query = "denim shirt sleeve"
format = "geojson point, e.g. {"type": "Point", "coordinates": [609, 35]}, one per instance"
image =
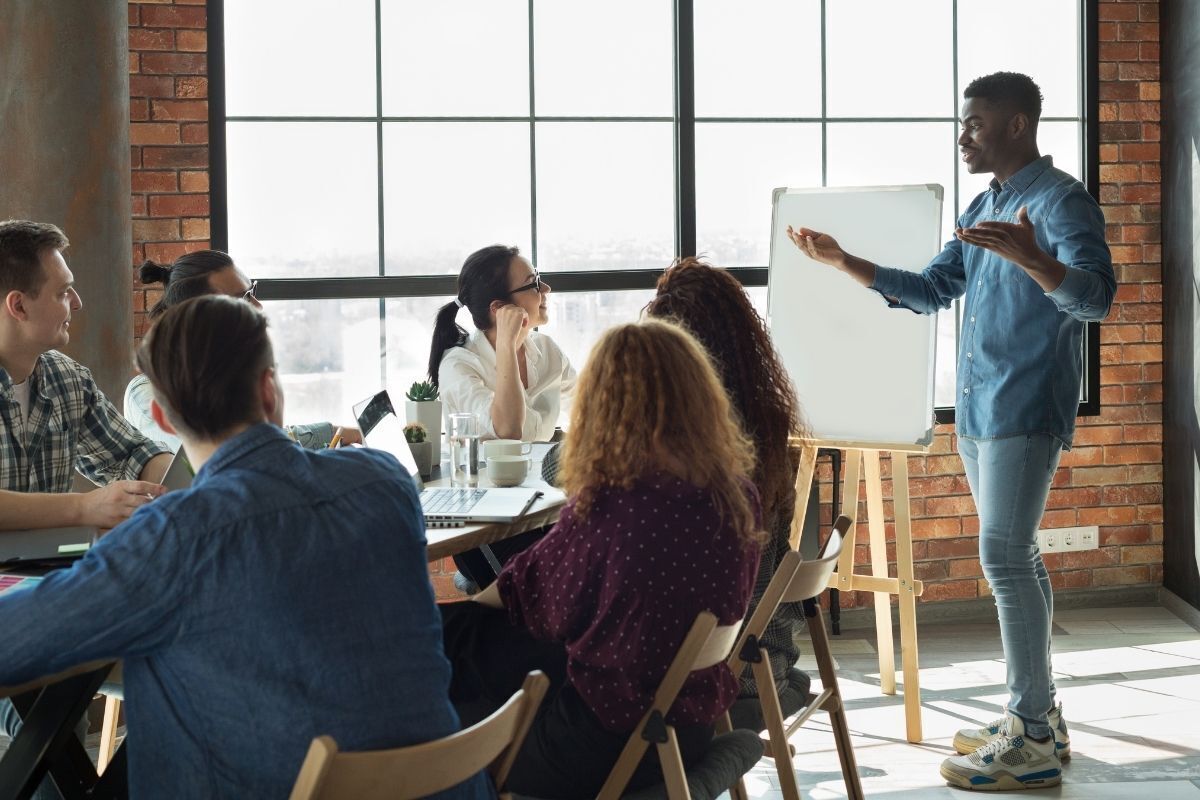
{"type": "Point", "coordinates": [933, 288]}
{"type": "Point", "coordinates": [133, 575]}
{"type": "Point", "coordinates": [1075, 237]}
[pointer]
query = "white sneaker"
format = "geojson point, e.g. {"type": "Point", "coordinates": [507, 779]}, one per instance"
{"type": "Point", "coordinates": [1010, 761]}
{"type": "Point", "coordinates": [968, 740]}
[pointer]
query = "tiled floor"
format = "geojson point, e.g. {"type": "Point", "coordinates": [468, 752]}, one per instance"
{"type": "Point", "coordinates": [1128, 678]}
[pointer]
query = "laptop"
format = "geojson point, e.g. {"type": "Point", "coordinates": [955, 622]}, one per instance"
{"type": "Point", "coordinates": [444, 507]}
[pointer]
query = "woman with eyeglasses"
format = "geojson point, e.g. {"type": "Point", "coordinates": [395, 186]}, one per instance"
{"type": "Point", "coordinates": [512, 377]}
{"type": "Point", "coordinates": [193, 275]}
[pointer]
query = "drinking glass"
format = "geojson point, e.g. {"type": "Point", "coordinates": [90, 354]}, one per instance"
{"type": "Point", "coordinates": [464, 449]}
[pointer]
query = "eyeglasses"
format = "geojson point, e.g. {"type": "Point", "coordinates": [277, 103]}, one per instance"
{"type": "Point", "coordinates": [246, 295]}
{"type": "Point", "coordinates": [536, 285]}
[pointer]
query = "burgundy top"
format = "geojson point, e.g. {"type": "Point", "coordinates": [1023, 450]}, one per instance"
{"type": "Point", "coordinates": [622, 588]}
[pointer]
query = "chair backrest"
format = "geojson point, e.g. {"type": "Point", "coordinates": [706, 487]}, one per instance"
{"type": "Point", "coordinates": [706, 644]}
{"type": "Point", "coordinates": [423, 769]}
{"type": "Point", "coordinates": [795, 579]}
{"type": "Point", "coordinates": [811, 577]}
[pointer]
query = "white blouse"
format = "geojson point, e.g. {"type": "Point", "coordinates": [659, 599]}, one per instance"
{"type": "Point", "coordinates": [467, 382]}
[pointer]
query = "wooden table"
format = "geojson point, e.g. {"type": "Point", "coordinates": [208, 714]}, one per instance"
{"type": "Point", "coordinates": [451, 541]}
{"type": "Point", "coordinates": [50, 708]}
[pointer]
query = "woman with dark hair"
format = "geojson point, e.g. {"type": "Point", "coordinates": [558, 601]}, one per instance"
{"type": "Point", "coordinates": [512, 377]}
{"type": "Point", "coordinates": [193, 275]}
{"type": "Point", "coordinates": [694, 294]}
{"type": "Point", "coordinates": [662, 522]}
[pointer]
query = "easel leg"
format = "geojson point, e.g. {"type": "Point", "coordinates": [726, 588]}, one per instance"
{"type": "Point", "coordinates": [804, 479]}
{"type": "Point", "coordinates": [879, 569]}
{"type": "Point", "coordinates": [845, 571]}
{"type": "Point", "coordinates": [908, 599]}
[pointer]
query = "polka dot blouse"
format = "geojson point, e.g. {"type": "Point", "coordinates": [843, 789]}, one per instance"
{"type": "Point", "coordinates": [622, 588]}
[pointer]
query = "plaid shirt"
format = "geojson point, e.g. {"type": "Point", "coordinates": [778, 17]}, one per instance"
{"type": "Point", "coordinates": [71, 425]}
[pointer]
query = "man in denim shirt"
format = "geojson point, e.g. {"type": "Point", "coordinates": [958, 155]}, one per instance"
{"type": "Point", "coordinates": [283, 596]}
{"type": "Point", "coordinates": [1029, 254]}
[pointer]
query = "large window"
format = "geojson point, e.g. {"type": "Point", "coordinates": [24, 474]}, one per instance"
{"type": "Point", "coordinates": [359, 156]}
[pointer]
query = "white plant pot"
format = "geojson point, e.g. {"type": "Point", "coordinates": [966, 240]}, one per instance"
{"type": "Point", "coordinates": [429, 414]}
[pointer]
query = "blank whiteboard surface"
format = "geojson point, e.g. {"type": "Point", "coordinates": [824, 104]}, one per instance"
{"type": "Point", "coordinates": [864, 372]}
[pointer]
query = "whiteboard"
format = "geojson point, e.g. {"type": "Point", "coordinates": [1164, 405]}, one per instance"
{"type": "Point", "coordinates": [863, 372]}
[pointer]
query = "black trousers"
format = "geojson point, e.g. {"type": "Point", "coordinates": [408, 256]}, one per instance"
{"type": "Point", "coordinates": [568, 753]}
{"type": "Point", "coordinates": [474, 563]}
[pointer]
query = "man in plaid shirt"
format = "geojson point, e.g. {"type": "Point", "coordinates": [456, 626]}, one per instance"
{"type": "Point", "coordinates": [56, 420]}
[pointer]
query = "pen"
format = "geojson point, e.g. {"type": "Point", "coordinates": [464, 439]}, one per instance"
{"type": "Point", "coordinates": [536, 496]}
{"type": "Point", "coordinates": [336, 440]}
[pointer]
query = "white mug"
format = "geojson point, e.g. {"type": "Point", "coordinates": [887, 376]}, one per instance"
{"type": "Point", "coordinates": [507, 470]}
{"type": "Point", "coordinates": [506, 447]}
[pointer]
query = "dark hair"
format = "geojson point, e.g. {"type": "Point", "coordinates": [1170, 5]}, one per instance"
{"type": "Point", "coordinates": [713, 307]}
{"type": "Point", "coordinates": [204, 358]}
{"type": "Point", "coordinates": [1011, 91]}
{"type": "Point", "coordinates": [21, 246]}
{"type": "Point", "coordinates": [186, 278]}
{"type": "Point", "coordinates": [482, 279]}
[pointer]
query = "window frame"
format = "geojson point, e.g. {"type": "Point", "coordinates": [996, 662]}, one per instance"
{"type": "Point", "coordinates": [383, 286]}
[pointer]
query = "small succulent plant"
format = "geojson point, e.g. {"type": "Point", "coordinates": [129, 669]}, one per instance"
{"type": "Point", "coordinates": [415, 432]}
{"type": "Point", "coordinates": [422, 391]}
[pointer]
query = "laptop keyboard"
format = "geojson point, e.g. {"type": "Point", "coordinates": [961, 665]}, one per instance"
{"type": "Point", "coordinates": [450, 501]}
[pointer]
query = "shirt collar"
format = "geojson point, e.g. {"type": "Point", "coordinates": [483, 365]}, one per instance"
{"type": "Point", "coordinates": [6, 381]}
{"type": "Point", "coordinates": [1026, 175]}
{"type": "Point", "coordinates": [478, 344]}
{"type": "Point", "coordinates": [249, 440]}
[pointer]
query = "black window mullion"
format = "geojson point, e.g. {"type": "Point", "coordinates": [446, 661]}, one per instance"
{"type": "Point", "coordinates": [685, 129]}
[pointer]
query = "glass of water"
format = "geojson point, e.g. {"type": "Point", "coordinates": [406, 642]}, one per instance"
{"type": "Point", "coordinates": [464, 449]}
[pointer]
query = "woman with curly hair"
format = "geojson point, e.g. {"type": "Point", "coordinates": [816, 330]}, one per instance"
{"type": "Point", "coordinates": [662, 522]}
{"type": "Point", "coordinates": [693, 294]}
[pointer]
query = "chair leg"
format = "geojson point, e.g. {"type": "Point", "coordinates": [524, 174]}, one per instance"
{"type": "Point", "coordinates": [674, 775]}
{"type": "Point", "coordinates": [773, 716]}
{"type": "Point", "coordinates": [837, 716]}
{"type": "Point", "coordinates": [738, 790]}
{"type": "Point", "coordinates": [108, 732]}
{"type": "Point", "coordinates": [622, 771]}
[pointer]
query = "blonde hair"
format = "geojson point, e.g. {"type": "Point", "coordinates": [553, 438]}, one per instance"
{"type": "Point", "coordinates": [649, 400]}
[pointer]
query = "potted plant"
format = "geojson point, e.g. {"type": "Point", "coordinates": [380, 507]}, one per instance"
{"type": "Point", "coordinates": [423, 406]}
{"type": "Point", "coordinates": [422, 449]}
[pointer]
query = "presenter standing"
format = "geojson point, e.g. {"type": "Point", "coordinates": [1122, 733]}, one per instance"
{"type": "Point", "coordinates": [1030, 257]}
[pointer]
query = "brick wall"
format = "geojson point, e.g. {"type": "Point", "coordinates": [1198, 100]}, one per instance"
{"type": "Point", "coordinates": [1113, 476]}
{"type": "Point", "coordinates": [168, 132]}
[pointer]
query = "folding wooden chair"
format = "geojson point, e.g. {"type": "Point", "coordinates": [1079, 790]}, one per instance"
{"type": "Point", "coordinates": [796, 581]}
{"type": "Point", "coordinates": [705, 645]}
{"type": "Point", "coordinates": [423, 769]}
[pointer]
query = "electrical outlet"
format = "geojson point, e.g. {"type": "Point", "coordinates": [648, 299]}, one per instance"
{"type": "Point", "coordinates": [1062, 540]}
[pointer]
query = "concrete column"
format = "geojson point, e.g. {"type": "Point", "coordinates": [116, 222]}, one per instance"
{"type": "Point", "coordinates": [64, 158]}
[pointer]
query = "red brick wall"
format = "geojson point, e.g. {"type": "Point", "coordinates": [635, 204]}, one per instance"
{"type": "Point", "coordinates": [1113, 476]}
{"type": "Point", "coordinates": [168, 131]}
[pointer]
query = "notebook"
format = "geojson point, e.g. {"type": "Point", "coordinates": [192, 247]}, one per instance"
{"type": "Point", "coordinates": [44, 544]}
{"type": "Point", "coordinates": [444, 507]}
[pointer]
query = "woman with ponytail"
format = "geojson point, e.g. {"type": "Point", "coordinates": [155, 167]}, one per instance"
{"type": "Point", "coordinates": [512, 377]}
{"type": "Point", "coordinates": [192, 275]}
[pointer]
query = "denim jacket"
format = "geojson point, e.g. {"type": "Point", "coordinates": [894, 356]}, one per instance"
{"type": "Point", "coordinates": [1020, 358]}
{"type": "Point", "coordinates": [283, 596]}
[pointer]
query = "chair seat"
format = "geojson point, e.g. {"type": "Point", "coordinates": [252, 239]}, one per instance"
{"type": "Point", "coordinates": [746, 712]}
{"type": "Point", "coordinates": [729, 757]}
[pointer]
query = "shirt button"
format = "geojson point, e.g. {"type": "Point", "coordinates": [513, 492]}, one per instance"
{"type": "Point", "coordinates": [968, 355]}
{"type": "Point", "coordinates": [967, 390]}
{"type": "Point", "coordinates": [972, 319]}
{"type": "Point", "coordinates": [980, 283]}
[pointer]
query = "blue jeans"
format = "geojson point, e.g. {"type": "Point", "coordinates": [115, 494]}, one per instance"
{"type": "Point", "coordinates": [1010, 480]}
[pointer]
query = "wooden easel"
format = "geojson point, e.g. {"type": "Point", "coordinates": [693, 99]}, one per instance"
{"type": "Point", "coordinates": [858, 454]}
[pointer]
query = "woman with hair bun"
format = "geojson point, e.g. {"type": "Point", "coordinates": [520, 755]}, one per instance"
{"type": "Point", "coordinates": [193, 275]}
{"type": "Point", "coordinates": [512, 377]}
